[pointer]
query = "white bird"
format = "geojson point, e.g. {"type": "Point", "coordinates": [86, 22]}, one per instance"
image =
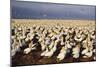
{"type": "Point", "coordinates": [31, 46]}
{"type": "Point", "coordinates": [85, 56]}
{"type": "Point", "coordinates": [43, 46]}
{"type": "Point", "coordinates": [76, 55]}
{"type": "Point", "coordinates": [43, 53]}
{"type": "Point", "coordinates": [76, 51]}
{"type": "Point", "coordinates": [84, 43]}
{"type": "Point", "coordinates": [15, 48]}
{"type": "Point", "coordinates": [12, 37]}
{"type": "Point", "coordinates": [51, 45]}
{"type": "Point", "coordinates": [47, 40]}
{"type": "Point", "coordinates": [85, 51]}
{"type": "Point", "coordinates": [78, 38]}
{"type": "Point", "coordinates": [72, 44]}
{"type": "Point", "coordinates": [20, 43]}
{"type": "Point", "coordinates": [89, 54]}
{"type": "Point", "coordinates": [31, 36]}
{"type": "Point", "coordinates": [40, 39]}
{"type": "Point", "coordinates": [62, 43]}
{"type": "Point", "coordinates": [15, 45]}
{"type": "Point", "coordinates": [13, 52]}
{"type": "Point", "coordinates": [62, 53]}
{"type": "Point", "coordinates": [68, 45]}
{"type": "Point", "coordinates": [94, 50]}
{"type": "Point", "coordinates": [94, 58]}
{"type": "Point", "coordinates": [27, 39]}
{"type": "Point", "coordinates": [50, 53]}
{"type": "Point", "coordinates": [27, 50]}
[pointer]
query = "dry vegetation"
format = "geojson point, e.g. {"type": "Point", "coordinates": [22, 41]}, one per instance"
{"type": "Point", "coordinates": [25, 22]}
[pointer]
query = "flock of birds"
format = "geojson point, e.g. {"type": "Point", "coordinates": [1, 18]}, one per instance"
{"type": "Point", "coordinates": [78, 41]}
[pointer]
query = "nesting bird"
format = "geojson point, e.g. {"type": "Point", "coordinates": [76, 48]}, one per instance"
{"type": "Point", "coordinates": [76, 51]}
{"type": "Point", "coordinates": [31, 47]}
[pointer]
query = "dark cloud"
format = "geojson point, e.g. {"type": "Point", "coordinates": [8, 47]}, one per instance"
{"type": "Point", "coordinates": [38, 10]}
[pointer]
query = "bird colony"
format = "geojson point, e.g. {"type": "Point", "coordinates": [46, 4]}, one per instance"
{"type": "Point", "coordinates": [78, 40]}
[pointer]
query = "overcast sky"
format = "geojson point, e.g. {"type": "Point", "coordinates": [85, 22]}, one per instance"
{"type": "Point", "coordinates": [37, 10]}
